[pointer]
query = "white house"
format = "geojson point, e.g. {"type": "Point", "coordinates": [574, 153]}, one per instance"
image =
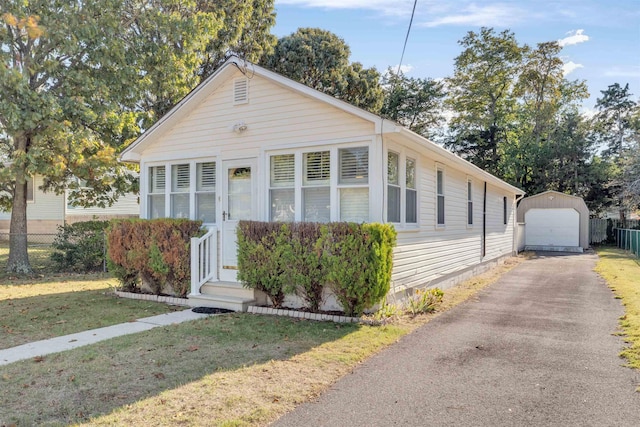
{"type": "Point", "coordinates": [46, 211]}
{"type": "Point", "coordinates": [251, 144]}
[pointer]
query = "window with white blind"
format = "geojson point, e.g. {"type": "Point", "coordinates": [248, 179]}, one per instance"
{"type": "Point", "coordinates": [190, 188]}
{"type": "Point", "coordinates": [316, 196]}
{"type": "Point", "coordinates": [206, 192]}
{"type": "Point", "coordinates": [440, 196]}
{"type": "Point", "coordinates": [353, 182]}
{"type": "Point", "coordinates": [156, 192]}
{"type": "Point", "coordinates": [179, 199]}
{"type": "Point", "coordinates": [282, 188]}
{"type": "Point", "coordinates": [411, 193]}
{"type": "Point", "coordinates": [402, 192]}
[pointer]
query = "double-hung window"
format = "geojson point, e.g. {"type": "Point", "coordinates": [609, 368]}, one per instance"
{"type": "Point", "coordinates": [353, 180]}
{"type": "Point", "coordinates": [402, 193]}
{"type": "Point", "coordinates": [188, 191]}
{"type": "Point", "coordinates": [282, 187]}
{"type": "Point", "coordinates": [155, 194]}
{"type": "Point", "coordinates": [316, 186]}
{"type": "Point", "coordinates": [440, 196]}
{"type": "Point", "coordinates": [469, 203]}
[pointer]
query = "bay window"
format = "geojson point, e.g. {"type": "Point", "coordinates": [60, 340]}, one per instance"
{"type": "Point", "coordinates": [353, 180]}
{"type": "Point", "coordinates": [316, 197]}
{"type": "Point", "coordinates": [155, 194]}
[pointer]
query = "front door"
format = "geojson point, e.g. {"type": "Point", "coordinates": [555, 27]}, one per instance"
{"type": "Point", "coordinates": [238, 203]}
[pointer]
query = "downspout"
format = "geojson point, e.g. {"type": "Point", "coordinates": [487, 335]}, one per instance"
{"type": "Point", "coordinates": [484, 223]}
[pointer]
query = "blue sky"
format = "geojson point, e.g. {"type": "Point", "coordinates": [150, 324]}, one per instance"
{"type": "Point", "coordinates": [601, 38]}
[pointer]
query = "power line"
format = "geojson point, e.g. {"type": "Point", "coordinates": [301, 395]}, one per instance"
{"type": "Point", "coordinates": [406, 39]}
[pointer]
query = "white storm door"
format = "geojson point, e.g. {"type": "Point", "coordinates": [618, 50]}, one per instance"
{"type": "Point", "coordinates": [238, 203]}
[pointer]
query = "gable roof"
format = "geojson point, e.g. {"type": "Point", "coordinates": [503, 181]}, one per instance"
{"type": "Point", "coordinates": [553, 193]}
{"type": "Point", "coordinates": [382, 126]}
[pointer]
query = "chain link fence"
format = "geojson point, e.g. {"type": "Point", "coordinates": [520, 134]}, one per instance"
{"type": "Point", "coordinates": [40, 249]}
{"type": "Point", "coordinates": [629, 240]}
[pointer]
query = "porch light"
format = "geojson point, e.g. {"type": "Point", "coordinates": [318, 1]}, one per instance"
{"type": "Point", "coordinates": [240, 127]}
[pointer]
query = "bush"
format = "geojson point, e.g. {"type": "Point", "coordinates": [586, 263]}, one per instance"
{"type": "Point", "coordinates": [154, 251]}
{"type": "Point", "coordinates": [80, 247]}
{"type": "Point", "coordinates": [353, 260]}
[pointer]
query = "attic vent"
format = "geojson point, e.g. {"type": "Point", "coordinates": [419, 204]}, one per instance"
{"type": "Point", "coordinates": [240, 90]}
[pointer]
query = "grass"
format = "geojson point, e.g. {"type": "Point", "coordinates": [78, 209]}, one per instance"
{"type": "Point", "coordinates": [33, 309]}
{"type": "Point", "coordinates": [231, 370]}
{"type": "Point", "coordinates": [621, 270]}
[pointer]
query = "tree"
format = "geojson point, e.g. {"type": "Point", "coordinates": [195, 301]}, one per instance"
{"type": "Point", "coordinates": [413, 102]}
{"type": "Point", "coordinates": [320, 59]}
{"type": "Point", "coordinates": [78, 81]}
{"type": "Point", "coordinates": [481, 96]}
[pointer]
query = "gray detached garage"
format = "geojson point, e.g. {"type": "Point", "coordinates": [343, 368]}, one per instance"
{"type": "Point", "coordinates": [554, 221]}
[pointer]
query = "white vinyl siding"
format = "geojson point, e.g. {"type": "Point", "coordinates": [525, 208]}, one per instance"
{"type": "Point", "coordinates": [282, 188]}
{"type": "Point", "coordinates": [353, 180]}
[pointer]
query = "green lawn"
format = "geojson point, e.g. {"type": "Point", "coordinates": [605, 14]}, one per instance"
{"type": "Point", "coordinates": [621, 270]}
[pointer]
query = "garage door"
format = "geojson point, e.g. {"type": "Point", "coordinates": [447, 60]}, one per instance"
{"type": "Point", "coordinates": [552, 227]}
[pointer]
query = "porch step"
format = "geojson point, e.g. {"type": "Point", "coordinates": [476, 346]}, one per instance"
{"type": "Point", "coordinates": [221, 301]}
{"type": "Point", "coordinates": [232, 289]}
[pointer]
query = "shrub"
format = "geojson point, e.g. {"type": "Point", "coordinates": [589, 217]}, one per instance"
{"type": "Point", "coordinates": [261, 246]}
{"type": "Point", "coordinates": [80, 247]}
{"type": "Point", "coordinates": [424, 301]}
{"type": "Point", "coordinates": [154, 251]}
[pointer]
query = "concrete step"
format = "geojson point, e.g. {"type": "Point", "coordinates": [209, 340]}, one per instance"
{"type": "Point", "coordinates": [232, 289]}
{"type": "Point", "coordinates": [221, 301]}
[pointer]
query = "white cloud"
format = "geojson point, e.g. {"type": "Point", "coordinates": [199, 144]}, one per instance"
{"type": "Point", "coordinates": [570, 66]}
{"type": "Point", "coordinates": [574, 37]}
{"type": "Point", "coordinates": [498, 15]}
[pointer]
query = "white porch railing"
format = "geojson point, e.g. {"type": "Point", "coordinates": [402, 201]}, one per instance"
{"type": "Point", "coordinates": [204, 256]}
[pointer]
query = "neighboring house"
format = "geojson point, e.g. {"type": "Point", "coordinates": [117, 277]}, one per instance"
{"type": "Point", "coordinates": [251, 144]}
{"type": "Point", "coordinates": [46, 211]}
{"type": "Point", "coordinates": [554, 221]}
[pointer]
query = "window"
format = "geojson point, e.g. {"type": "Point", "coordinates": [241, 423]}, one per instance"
{"type": "Point", "coordinates": [30, 185]}
{"type": "Point", "coordinates": [282, 188]}
{"type": "Point", "coordinates": [353, 180]}
{"type": "Point", "coordinates": [504, 210]}
{"type": "Point", "coordinates": [393, 187]}
{"type": "Point", "coordinates": [180, 191]}
{"type": "Point", "coordinates": [206, 192]}
{"type": "Point", "coordinates": [411, 206]}
{"type": "Point", "coordinates": [469, 202]}
{"type": "Point", "coordinates": [191, 191]}
{"type": "Point", "coordinates": [316, 182]}
{"type": "Point", "coordinates": [440, 196]}
{"type": "Point", "coordinates": [155, 197]}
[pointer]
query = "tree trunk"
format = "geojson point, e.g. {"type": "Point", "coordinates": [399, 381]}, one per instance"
{"type": "Point", "coordinates": [18, 257]}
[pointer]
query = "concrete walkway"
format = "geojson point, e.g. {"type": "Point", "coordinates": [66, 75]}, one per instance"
{"type": "Point", "coordinates": [534, 349]}
{"type": "Point", "coordinates": [68, 342]}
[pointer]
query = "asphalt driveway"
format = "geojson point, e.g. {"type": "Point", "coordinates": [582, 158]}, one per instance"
{"type": "Point", "coordinates": [535, 349]}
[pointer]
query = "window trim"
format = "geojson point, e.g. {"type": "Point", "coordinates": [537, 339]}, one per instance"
{"type": "Point", "coordinates": [403, 156]}
{"type": "Point", "coordinates": [440, 169]}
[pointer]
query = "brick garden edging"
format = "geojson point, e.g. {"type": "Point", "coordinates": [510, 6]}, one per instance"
{"type": "Point", "coordinates": [306, 315]}
{"type": "Point", "coordinates": [154, 298]}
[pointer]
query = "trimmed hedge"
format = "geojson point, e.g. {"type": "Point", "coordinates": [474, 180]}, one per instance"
{"type": "Point", "coordinates": [353, 260]}
{"type": "Point", "coordinates": [80, 247]}
{"type": "Point", "coordinates": [156, 252]}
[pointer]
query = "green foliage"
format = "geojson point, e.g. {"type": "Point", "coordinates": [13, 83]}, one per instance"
{"type": "Point", "coordinates": [80, 246]}
{"type": "Point", "coordinates": [353, 260]}
{"type": "Point", "coordinates": [424, 301]}
{"type": "Point", "coordinates": [79, 80]}
{"type": "Point", "coordinates": [414, 103]}
{"type": "Point", "coordinates": [154, 251]}
{"type": "Point", "coordinates": [260, 257]}
{"type": "Point", "coordinates": [320, 60]}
